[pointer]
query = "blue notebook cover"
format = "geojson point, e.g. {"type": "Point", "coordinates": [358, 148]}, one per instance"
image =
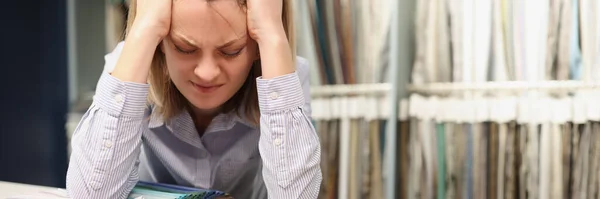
{"type": "Point", "coordinates": [148, 190]}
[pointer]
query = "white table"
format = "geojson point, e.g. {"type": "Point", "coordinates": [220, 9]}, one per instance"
{"type": "Point", "coordinates": [11, 189]}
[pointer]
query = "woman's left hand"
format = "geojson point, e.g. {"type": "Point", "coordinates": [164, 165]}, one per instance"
{"type": "Point", "coordinates": [265, 26]}
{"type": "Point", "coordinates": [264, 19]}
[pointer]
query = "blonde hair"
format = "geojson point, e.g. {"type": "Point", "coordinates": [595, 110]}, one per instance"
{"type": "Point", "coordinates": [169, 102]}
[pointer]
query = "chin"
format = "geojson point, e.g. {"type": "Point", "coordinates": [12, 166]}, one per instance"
{"type": "Point", "coordinates": [208, 105]}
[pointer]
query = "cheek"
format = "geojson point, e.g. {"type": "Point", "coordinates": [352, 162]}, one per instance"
{"type": "Point", "coordinates": [240, 73]}
{"type": "Point", "coordinates": [176, 59]}
{"type": "Point", "coordinates": [178, 68]}
{"type": "Point", "coordinates": [236, 73]}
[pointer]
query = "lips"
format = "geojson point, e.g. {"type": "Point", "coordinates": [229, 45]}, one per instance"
{"type": "Point", "coordinates": [206, 88]}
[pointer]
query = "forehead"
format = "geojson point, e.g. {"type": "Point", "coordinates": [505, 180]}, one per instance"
{"type": "Point", "coordinates": [208, 22]}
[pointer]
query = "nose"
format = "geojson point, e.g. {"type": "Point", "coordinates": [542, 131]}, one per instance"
{"type": "Point", "coordinates": [207, 70]}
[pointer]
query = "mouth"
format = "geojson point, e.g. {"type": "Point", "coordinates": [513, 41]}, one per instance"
{"type": "Point", "coordinates": [206, 88]}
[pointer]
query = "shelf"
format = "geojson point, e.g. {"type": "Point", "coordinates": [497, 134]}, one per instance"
{"type": "Point", "coordinates": [350, 89]}
{"type": "Point", "coordinates": [547, 86]}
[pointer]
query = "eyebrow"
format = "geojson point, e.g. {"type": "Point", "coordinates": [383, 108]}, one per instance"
{"type": "Point", "coordinates": [192, 43]}
{"type": "Point", "coordinates": [184, 39]}
{"type": "Point", "coordinates": [229, 43]}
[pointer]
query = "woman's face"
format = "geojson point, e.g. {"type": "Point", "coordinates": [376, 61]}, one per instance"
{"type": "Point", "coordinates": [208, 51]}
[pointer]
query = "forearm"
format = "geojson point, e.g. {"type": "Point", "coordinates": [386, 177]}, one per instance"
{"type": "Point", "coordinates": [275, 54]}
{"type": "Point", "coordinates": [106, 143]}
{"type": "Point", "coordinates": [288, 144]}
{"type": "Point", "coordinates": [135, 60]}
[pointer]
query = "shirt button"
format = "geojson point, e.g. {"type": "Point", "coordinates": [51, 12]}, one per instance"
{"type": "Point", "coordinates": [119, 98]}
{"type": "Point", "coordinates": [274, 95]}
{"type": "Point", "coordinates": [277, 142]}
{"type": "Point", "coordinates": [108, 144]}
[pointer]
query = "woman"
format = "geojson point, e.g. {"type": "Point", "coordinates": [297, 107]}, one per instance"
{"type": "Point", "coordinates": [202, 93]}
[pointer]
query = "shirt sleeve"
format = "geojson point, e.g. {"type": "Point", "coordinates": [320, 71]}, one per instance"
{"type": "Point", "coordinates": [289, 145]}
{"type": "Point", "coordinates": [106, 143]}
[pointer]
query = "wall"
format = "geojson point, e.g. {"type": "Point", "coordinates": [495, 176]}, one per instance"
{"type": "Point", "coordinates": [34, 92]}
{"type": "Point", "coordinates": [90, 44]}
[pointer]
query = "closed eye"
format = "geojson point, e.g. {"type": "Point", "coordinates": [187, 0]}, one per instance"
{"type": "Point", "coordinates": [180, 50]}
{"type": "Point", "coordinates": [232, 54]}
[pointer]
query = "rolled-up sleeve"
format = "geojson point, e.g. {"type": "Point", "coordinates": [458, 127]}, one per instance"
{"type": "Point", "coordinates": [288, 144]}
{"type": "Point", "coordinates": [106, 143]}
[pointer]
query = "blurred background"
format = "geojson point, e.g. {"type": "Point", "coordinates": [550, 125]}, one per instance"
{"type": "Point", "coordinates": [411, 98]}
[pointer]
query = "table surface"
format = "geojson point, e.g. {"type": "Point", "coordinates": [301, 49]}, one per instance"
{"type": "Point", "coordinates": [11, 189]}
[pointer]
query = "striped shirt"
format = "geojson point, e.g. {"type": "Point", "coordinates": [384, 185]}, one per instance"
{"type": "Point", "coordinates": [118, 142]}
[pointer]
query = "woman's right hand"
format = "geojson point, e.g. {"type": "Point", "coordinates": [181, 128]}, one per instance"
{"type": "Point", "coordinates": [152, 16]}
{"type": "Point", "coordinates": [151, 25]}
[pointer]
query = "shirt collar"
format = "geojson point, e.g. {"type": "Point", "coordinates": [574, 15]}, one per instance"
{"type": "Point", "coordinates": [183, 125]}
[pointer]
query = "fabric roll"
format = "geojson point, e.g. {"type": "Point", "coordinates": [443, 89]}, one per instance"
{"type": "Point", "coordinates": [344, 159]}
{"type": "Point", "coordinates": [332, 38]}
{"type": "Point", "coordinates": [493, 161]}
{"type": "Point", "coordinates": [306, 44]}
{"type": "Point", "coordinates": [533, 152]}
{"type": "Point", "coordinates": [502, 151]}
{"type": "Point", "coordinates": [442, 34]}
{"type": "Point", "coordinates": [404, 162]}
{"type": "Point", "coordinates": [552, 39]}
{"type": "Point", "coordinates": [595, 130]}
{"type": "Point", "coordinates": [416, 159]}
{"type": "Point", "coordinates": [576, 162]}
{"type": "Point", "coordinates": [584, 147]}
{"type": "Point", "coordinates": [376, 159]}
{"type": "Point", "coordinates": [321, 129]}
{"type": "Point", "coordinates": [508, 30]}
{"type": "Point", "coordinates": [366, 157]}
{"type": "Point", "coordinates": [564, 37]}
{"type": "Point", "coordinates": [335, 126]}
{"type": "Point", "coordinates": [451, 163]}
{"type": "Point", "coordinates": [460, 170]}
{"type": "Point", "coordinates": [353, 178]}
{"type": "Point", "coordinates": [320, 37]}
{"type": "Point", "coordinates": [575, 64]}
{"type": "Point", "coordinates": [347, 41]}
{"type": "Point", "coordinates": [428, 154]}
{"type": "Point", "coordinates": [329, 160]}
{"type": "Point", "coordinates": [419, 70]}
{"type": "Point", "coordinates": [556, 188]}
{"type": "Point", "coordinates": [432, 62]}
{"type": "Point", "coordinates": [432, 41]}
{"type": "Point", "coordinates": [525, 162]}
{"type": "Point", "coordinates": [470, 162]}
{"type": "Point", "coordinates": [441, 161]}
{"type": "Point", "coordinates": [566, 139]}
{"type": "Point", "coordinates": [594, 164]}
{"type": "Point", "coordinates": [589, 39]}
{"type": "Point", "coordinates": [545, 162]}
{"type": "Point", "coordinates": [517, 22]}
{"type": "Point", "coordinates": [479, 151]}
{"type": "Point", "coordinates": [512, 162]}
{"type": "Point", "coordinates": [455, 9]}
{"type": "Point", "coordinates": [434, 161]}
{"type": "Point", "coordinates": [479, 49]}
{"type": "Point", "coordinates": [500, 70]}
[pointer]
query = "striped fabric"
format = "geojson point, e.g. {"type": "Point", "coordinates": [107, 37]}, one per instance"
{"type": "Point", "coordinates": [119, 141]}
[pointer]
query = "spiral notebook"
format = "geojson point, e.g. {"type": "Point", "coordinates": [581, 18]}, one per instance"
{"type": "Point", "coordinates": [148, 190]}
{"type": "Point", "coordinates": [142, 190]}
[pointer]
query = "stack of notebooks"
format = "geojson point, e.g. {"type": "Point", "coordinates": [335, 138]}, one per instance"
{"type": "Point", "coordinates": [147, 190]}
{"type": "Point", "coordinates": [142, 190]}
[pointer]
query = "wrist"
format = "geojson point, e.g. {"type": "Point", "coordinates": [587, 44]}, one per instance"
{"type": "Point", "coordinates": [276, 56]}
{"type": "Point", "coordinates": [145, 33]}
{"type": "Point", "coordinates": [136, 57]}
{"type": "Point", "coordinates": [272, 35]}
